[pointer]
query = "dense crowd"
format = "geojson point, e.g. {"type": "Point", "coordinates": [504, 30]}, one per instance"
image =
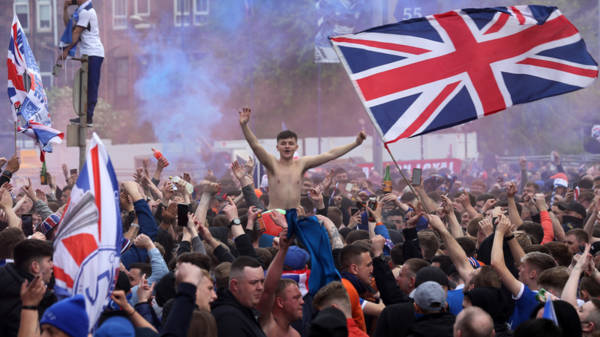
{"type": "Point", "coordinates": [508, 250]}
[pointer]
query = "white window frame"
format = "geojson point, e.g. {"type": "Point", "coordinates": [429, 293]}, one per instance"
{"type": "Point", "coordinates": [200, 13]}
{"type": "Point", "coordinates": [26, 4]}
{"type": "Point", "coordinates": [181, 13]}
{"type": "Point", "coordinates": [136, 10]}
{"type": "Point", "coordinates": [117, 25]}
{"type": "Point", "coordinates": [39, 4]}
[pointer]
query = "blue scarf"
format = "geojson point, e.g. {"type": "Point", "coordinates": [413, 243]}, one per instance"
{"type": "Point", "coordinates": [67, 37]}
{"type": "Point", "coordinates": [315, 239]}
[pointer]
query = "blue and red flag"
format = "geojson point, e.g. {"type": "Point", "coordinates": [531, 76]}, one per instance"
{"type": "Point", "coordinates": [26, 92]}
{"type": "Point", "coordinates": [421, 75]}
{"type": "Point", "coordinates": [87, 245]}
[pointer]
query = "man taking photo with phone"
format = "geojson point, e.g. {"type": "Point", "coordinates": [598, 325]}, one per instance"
{"type": "Point", "coordinates": [82, 28]}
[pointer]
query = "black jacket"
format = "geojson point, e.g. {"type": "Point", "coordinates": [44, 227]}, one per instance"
{"type": "Point", "coordinates": [10, 300]}
{"type": "Point", "coordinates": [433, 325]}
{"type": "Point", "coordinates": [398, 320]}
{"type": "Point", "coordinates": [233, 319]}
{"type": "Point", "coordinates": [386, 284]}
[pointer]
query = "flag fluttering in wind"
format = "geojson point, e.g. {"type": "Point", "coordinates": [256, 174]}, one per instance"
{"type": "Point", "coordinates": [26, 92]}
{"type": "Point", "coordinates": [87, 246]}
{"type": "Point", "coordinates": [421, 75]}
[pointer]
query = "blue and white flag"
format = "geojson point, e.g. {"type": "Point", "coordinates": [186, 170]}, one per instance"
{"type": "Point", "coordinates": [26, 92]}
{"type": "Point", "coordinates": [87, 246]}
{"type": "Point", "coordinates": [549, 312]}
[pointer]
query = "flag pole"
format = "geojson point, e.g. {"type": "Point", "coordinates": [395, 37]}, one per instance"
{"type": "Point", "coordinates": [15, 133]}
{"type": "Point", "coordinates": [408, 183]}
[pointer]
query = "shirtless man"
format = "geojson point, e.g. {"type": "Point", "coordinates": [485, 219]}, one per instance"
{"type": "Point", "coordinates": [287, 308]}
{"type": "Point", "coordinates": [285, 174]}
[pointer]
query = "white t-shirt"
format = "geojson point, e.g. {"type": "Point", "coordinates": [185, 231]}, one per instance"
{"type": "Point", "coordinates": [89, 41]}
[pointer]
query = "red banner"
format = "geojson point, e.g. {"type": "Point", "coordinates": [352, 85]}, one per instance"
{"type": "Point", "coordinates": [454, 165]}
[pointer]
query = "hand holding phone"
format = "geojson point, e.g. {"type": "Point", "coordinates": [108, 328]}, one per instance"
{"type": "Point", "coordinates": [182, 214]}
{"type": "Point", "coordinates": [416, 176]}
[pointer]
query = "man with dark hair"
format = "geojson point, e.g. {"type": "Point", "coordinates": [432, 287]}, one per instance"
{"type": "Point", "coordinates": [285, 174]}
{"type": "Point", "coordinates": [357, 266]}
{"type": "Point", "coordinates": [9, 238]}
{"type": "Point", "coordinates": [235, 310]}
{"type": "Point", "coordinates": [473, 322]}
{"type": "Point", "coordinates": [577, 238]}
{"type": "Point", "coordinates": [31, 258]}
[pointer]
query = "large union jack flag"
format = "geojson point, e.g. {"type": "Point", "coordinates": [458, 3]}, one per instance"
{"type": "Point", "coordinates": [425, 74]}
{"type": "Point", "coordinates": [87, 245]}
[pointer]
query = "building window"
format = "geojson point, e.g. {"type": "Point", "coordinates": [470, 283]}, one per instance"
{"type": "Point", "coordinates": [142, 7]}
{"type": "Point", "coordinates": [181, 11]}
{"type": "Point", "coordinates": [119, 14]}
{"type": "Point", "coordinates": [44, 17]}
{"type": "Point", "coordinates": [201, 10]}
{"type": "Point", "coordinates": [21, 8]}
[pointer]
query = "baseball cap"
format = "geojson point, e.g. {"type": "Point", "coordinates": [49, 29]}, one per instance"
{"type": "Point", "coordinates": [430, 296]}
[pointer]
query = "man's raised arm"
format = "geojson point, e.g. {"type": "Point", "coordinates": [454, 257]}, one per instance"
{"type": "Point", "coordinates": [263, 156]}
{"type": "Point", "coordinates": [314, 161]}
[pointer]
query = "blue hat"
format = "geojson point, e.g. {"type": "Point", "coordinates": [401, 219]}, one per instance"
{"type": "Point", "coordinates": [69, 316]}
{"type": "Point", "coordinates": [116, 326]}
{"type": "Point", "coordinates": [296, 258]}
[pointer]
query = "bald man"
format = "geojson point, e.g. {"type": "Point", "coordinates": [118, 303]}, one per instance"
{"type": "Point", "coordinates": [474, 322]}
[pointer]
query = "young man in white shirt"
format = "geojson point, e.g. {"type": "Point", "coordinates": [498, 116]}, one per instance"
{"type": "Point", "coordinates": [87, 36]}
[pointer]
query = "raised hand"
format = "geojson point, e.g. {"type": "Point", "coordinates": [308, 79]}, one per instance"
{"type": "Point", "coordinates": [244, 115]}
{"type": "Point", "coordinates": [447, 205]}
{"type": "Point", "coordinates": [523, 163]}
{"type": "Point", "coordinates": [231, 209]}
{"type": "Point", "coordinates": [486, 228]}
{"type": "Point", "coordinates": [14, 163]}
{"type": "Point", "coordinates": [40, 195]}
{"type": "Point", "coordinates": [28, 189]}
{"type": "Point", "coordinates": [279, 219]}
{"type": "Point", "coordinates": [238, 171]}
{"type": "Point", "coordinates": [188, 273]}
{"type": "Point", "coordinates": [249, 166]}
{"type": "Point", "coordinates": [377, 244]}
{"type": "Point", "coordinates": [144, 241]}
{"type": "Point", "coordinates": [511, 189]}
{"type": "Point", "coordinates": [360, 138]}
{"type": "Point", "coordinates": [144, 291]}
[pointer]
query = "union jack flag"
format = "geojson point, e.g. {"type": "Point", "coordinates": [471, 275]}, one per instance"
{"type": "Point", "coordinates": [87, 246]}
{"type": "Point", "coordinates": [421, 75]}
{"type": "Point", "coordinates": [26, 92]}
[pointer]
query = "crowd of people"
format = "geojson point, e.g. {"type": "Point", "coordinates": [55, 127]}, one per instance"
{"type": "Point", "coordinates": [509, 251]}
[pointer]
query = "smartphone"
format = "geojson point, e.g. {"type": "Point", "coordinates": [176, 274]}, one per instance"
{"type": "Point", "coordinates": [349, 187]}
{"type": "Point", "coordinates": [416, 176]}
{"type": "Point", "coordinates": [182, 214]}
{"type": "Point", "coordinates": [27, 224]}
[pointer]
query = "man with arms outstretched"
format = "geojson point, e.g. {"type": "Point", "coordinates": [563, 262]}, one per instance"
{"type": "Point", "coordinates": [285, 174]}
